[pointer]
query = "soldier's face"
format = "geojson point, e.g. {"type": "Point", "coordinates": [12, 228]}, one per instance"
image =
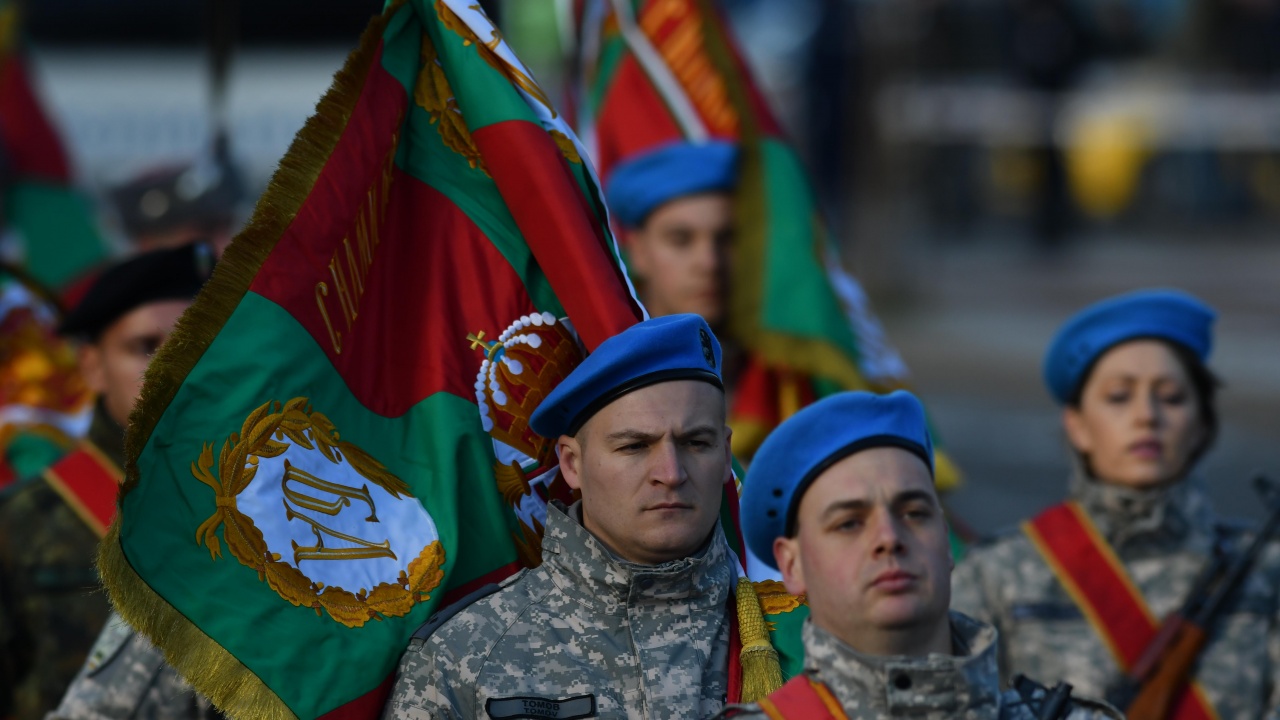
{"type": "Point", "coordinates": [1139, 417]}
{"type": "Point", "coordinates": [113, 366]}
{"type": "Point", "coordinates": [651, 466]}
{"type": "Point", "coordinates": [871, 548]}
{"type": "Point", "coordinates": [681, 256]}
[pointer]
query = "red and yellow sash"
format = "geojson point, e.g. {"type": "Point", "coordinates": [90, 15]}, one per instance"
{"type": "Point", "coordinates": [88, 481]}
{"type": "Point", "coordinates": [1095, 579]}
{"type": "Point", "coordinates": [802, 698]}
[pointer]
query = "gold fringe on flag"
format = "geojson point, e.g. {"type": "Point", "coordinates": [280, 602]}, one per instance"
{"type": "Point", "coordinates": [761, 671]}
{"type": "Point", "coordinates": [213, 671]}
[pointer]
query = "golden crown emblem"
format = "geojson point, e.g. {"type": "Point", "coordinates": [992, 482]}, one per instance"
{"type": "Point", "coordinates": [521, 367]}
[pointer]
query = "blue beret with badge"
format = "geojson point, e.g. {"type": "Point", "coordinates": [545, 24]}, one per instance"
{"type": "Point", "coordinates": [639, 185]}
{"type": "Point", "coordinates": [1170, 315]}
{"type": "Point", "coordinates": [674, 347]}
{"type": "Point", "coordinates": [808, 443]}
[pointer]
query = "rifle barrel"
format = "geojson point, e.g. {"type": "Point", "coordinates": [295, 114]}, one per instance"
{"type": "Point", "coordinates": [1240, 566]}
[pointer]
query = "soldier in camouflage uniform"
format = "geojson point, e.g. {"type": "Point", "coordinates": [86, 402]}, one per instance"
{"type": "Point", "coordinates": [841, 499]}
{"type": "Point", "coordinates": [1138, 357]}
{"type": "Point", "coordinates": [51, 604]}
{"type": "Point", "coordinates": [126, 677]}
{"type": "Point", "coordinates": [628, 616]}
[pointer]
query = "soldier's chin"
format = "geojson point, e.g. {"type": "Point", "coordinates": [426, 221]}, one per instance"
{"type": "Point", "coordinates": [666, 544]}
{"type": "Point", "coordinates": [900, 612]}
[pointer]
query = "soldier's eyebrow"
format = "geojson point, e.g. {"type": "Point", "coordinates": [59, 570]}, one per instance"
{"type": "Point", "coordinates": [907, 496]}
{"type": "Point", "coordinates": [839, 506]}
{"type": "Point", "coordinates": [631, 436]}
{"type": "Point", "coordinates": [862, 506]}
{"type": "Point", "coordinates": [696, 431]}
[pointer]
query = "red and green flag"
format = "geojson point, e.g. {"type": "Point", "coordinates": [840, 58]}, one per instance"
{"type": "Point", "coordinates": [52, 221]}
{"type": "Point", "coordinates": [335, 440]}
{"type": "Point", "coordinates": [657, 71]}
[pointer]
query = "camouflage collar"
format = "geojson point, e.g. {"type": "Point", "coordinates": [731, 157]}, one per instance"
{"type": "Point", "coordinates": [935, 686]}
{"type": "Point", "coordinates": [1132, 518]}
{"type": "Point", "coordinates": [584, 569]}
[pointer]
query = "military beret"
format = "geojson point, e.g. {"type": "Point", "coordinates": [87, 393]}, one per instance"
{"type": "Point", "coordinates": [169, 274]}
{"type": "Point", "coordinates": [1170, 315]}
{"type": "Point", "coordinates": [674, 347]}
{"type": "Point", "coordinates": [168, 197]}
{"type": "Point", "coordinates": [640, 184]}
{"type": "Point", "coordinates": [811, 441]}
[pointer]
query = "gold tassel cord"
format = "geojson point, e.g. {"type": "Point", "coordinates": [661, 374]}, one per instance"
{"type": "Point", "coordinates": [213, 671]}
{"type": "Point", "coordinates": [761, 671]}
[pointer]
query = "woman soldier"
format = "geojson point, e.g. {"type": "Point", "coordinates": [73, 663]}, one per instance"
{"type": "Point", "coordinates": [1079, 591]}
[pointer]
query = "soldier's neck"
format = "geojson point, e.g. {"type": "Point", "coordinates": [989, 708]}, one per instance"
{"type": "Point", "coordinates": [917, 641]}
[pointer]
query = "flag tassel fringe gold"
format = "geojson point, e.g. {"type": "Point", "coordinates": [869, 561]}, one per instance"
{"type": "Point", "coordinates": [210, 668]}
{"type": "Point", "coordinates": [761, 671]}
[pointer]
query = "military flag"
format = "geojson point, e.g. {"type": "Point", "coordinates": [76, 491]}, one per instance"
{"type": "Point", "coordinates": [335, 439]}
{"type": "Point", "coordinates": [657, 71]}
{"type": "Point", "coordinates": [56, 238]}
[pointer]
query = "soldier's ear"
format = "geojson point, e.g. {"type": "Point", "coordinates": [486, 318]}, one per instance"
{"type": "Point", "coordinates": [569, 450]}
{"type": "Point", "coordinates": [786, 552]}
{"type": "Point", "coordinates": [1078, 431]}
{"type": "Point", "coordinates": [728, 453]}
{"type": "Point", "coordinates": [638, 252]}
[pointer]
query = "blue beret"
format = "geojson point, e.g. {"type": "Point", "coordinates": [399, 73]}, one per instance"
{"type": "Point", "coordinates": [1170, 315]}
{"type": "Point", "coordinates": [814, 439]}
{"type": "Point", "coordinates": [674, 347]}
{"type": "Point", "coordinates": [639, 185]}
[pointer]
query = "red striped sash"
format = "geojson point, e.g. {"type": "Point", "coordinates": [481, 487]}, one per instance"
{"type": "Point", "coordinates": [88, 481]}
{"type": "Point", "coordinates": [1093, 576]}
{"type": "Point", "coordinates": [802, 698]}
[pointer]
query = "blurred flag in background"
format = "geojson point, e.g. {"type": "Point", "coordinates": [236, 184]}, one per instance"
{"type": "Point", "coordinates": [46, 224]}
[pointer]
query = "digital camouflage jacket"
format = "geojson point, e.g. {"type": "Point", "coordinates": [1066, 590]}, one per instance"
{"type": "Point", "coordinates": [1163, 537]}
{"type": "Point", "coordinates": [584, 631]}
{"type": "Point", "coordinates": [964, 685]}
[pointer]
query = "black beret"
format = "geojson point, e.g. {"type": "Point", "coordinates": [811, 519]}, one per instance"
{"type": "Point", "coordinates": [168, 274]}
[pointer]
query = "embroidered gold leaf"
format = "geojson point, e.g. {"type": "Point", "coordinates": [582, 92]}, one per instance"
{"type": "Point", "coordinates": [566, 147]}
{"type": "Point", "coordinates": [261, 436]}
{"type": "Point", "coordinates": [433, 94]}
{"type": "Point", "coordinates": [486, 50]}
{"type": "Point", "coordinates": [512, 484]}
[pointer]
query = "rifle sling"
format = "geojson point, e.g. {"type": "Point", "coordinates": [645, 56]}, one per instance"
{"type": "Point", "coordinates": [88, 481]}
{"type": "Point", "coordinates": [1087, 568]}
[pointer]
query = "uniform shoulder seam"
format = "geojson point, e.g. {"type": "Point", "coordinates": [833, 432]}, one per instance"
{"type": "Point", "coordinates": [530, 599]}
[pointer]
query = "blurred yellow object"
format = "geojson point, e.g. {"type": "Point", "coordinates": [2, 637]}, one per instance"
{"type": "Point", "coordinates": [1105, 157]}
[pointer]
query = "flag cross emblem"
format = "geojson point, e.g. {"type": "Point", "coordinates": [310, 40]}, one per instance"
{"type": "Point", "coordinates": [355, 542]}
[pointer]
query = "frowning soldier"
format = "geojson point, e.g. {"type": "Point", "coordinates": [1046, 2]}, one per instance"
{"type": "Point", "coordinates": [629, 613]}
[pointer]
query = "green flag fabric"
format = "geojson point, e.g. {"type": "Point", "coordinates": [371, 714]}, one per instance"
{"type": "Point", "coordinates": [335, 440]}
{"type": "Point", "coordinates": [51, 222]}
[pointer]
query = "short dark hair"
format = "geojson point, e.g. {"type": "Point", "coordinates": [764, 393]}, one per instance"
{"type": "Point", "coordinates": [1203, 382]}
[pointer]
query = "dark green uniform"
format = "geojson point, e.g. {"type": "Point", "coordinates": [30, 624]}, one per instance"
{"type": "Point", "coordinates": [52, 606]}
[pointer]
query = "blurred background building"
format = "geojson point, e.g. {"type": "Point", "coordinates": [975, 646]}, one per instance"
{"type": "Point", "coordinates": [989, 166]}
